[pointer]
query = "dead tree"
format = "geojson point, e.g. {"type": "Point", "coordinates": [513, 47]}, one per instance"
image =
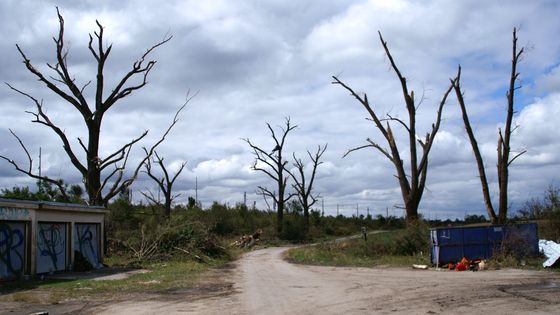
{"type": "Point", "coordinates": [412, 185]}
{"type": "Point", "coordinates": [504, 149]}
{"type": "Point", "coordinates": [165, 183]}
{"type": "Point", "coordinates": [103, 177]}
{"type": "Point", "coordinates": [273, 164]}
{"type": "Point", "coordinates": [303, 188]}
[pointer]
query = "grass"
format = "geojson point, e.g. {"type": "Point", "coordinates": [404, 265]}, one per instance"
{"type": "Point", "coordinates": [386, 249]}
{"type": "Point", "coordinates": [379, 250]}
{"type": "Point", "coordinates": [176, 273]}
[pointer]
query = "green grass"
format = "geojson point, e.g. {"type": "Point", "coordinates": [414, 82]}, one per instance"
{"type": "Point", "coordinates": [174, 274]}
{"type": "Point", "coordinates": [379, 250]}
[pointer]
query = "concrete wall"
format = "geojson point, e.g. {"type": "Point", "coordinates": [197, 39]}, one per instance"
{"type": "Point", "coordinates": [37, 237]}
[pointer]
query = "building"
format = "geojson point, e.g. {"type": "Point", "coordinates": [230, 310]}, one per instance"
{"type": "Point", "coordinates": [38, 237]}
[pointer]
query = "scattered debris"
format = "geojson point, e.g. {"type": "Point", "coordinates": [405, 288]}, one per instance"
{"type": "Point", "coordinates": [482, 265]}
{"type": "Point", "coordinates": [467, 264]}
{"type": "Point", "coordinates": [188, 252]}
{"type": "Point", "coordinates": [423, 267]}
{"type": "Point", "coordinates": [551, 250]}
{"type": "Point", "coordinates": [248, 241]}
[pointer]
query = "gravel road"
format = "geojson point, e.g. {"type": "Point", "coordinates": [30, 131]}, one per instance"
{"type": "Point", "coordinates": [263, 283]}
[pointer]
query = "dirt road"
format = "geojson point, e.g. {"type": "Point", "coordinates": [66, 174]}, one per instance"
{"type": "Point", "coordinates": [263, 283]}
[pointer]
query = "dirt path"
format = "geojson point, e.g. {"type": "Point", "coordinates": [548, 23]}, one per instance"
{"type": "Point", "coordinates": [263, 283]}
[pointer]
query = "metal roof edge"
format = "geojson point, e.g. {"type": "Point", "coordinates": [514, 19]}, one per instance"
{"type": "Point", "coordinates": [49, 205]}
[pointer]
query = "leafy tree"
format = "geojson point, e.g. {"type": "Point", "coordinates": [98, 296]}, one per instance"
{"type": "Point", "coordinates": [45, 192]}
{"type": "Point", "coordinates": [546, 210]}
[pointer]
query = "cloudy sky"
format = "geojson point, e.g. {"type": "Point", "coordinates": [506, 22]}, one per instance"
{"type": "Point", "coordinates": [253, 62]}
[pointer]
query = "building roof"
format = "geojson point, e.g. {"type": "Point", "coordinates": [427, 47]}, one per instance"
{"type": "Point", "coordinates": [49, 205]}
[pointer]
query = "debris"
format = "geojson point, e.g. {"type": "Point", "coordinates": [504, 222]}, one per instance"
{"type": "Point", "coordinates": [248, 241]}
{"type": "Point", "coordinates": [482, 265]}
{"type": "Point", "coordinates": [551, 250]}
{"type": "Point", "coordinates": [423, 267]}
{"type": "Point", "coordinates": [460, 267]}
{"type": "Point", "coordinates": [466, 264]}
{"type": "Point", "coordinates": [187, 252]}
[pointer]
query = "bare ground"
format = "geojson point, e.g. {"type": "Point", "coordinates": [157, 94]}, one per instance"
{"type": "Point", "coordinates": [263, 283]}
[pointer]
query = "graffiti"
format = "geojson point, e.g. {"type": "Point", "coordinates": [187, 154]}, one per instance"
{"type": "Point", "coordinates": [86, 242]}
{"type": "Point", "coordinates": [12, 249]}
{"type": "Point", "coordinates": [14, 214]}
{"type": "Point", "coordinates": [51, 245]}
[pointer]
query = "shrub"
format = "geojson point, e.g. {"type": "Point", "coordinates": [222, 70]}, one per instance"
{"type": "Point", "coordinates": [414, 240]}
{"type": "Point", "coordinates": [294, 228]}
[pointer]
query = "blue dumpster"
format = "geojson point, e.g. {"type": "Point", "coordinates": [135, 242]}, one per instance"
{"type": "Point", "coordinates": [451, 244]}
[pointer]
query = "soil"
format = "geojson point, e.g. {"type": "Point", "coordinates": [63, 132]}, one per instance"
{"type": "Point", "coordinates": [262, 282]}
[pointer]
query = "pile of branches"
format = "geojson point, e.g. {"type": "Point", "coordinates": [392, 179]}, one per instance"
{"type": "Point", "coordinates": [248, 241]}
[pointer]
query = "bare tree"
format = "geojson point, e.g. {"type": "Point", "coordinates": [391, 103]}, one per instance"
{"type": "Point", "coordinates": [165, 182]}
{"type": "Point", "coordinates": [504, 149]}
{"type": "Point", "coordinates": [273, 164]}
{"type": "Point", "coordinates": [303, 188]}
{"type": "Point", "coordinates": [103, 177]}
{"type": "Point", "coordinates": [412, 185]}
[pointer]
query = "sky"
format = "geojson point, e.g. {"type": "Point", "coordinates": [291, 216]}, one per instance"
{"type": "Point", "coordinates": [253, 62]}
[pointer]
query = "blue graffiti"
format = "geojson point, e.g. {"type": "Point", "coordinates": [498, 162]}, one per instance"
{"type": "Point", "coordinates": [87, 242]}
{"type": "Point", "coordinates": [11, 248]}
{"type": "Point", "coordinates": [51, 242]}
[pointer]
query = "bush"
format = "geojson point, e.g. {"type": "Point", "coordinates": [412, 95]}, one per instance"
{"type": "Point", "coordinates": [546, 211]}
{"type": "Point", "coordinates": [413, 241]}
{"type": "Point", "coordinates": [294, 228]}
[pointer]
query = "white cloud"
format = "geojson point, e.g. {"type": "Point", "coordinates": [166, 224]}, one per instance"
{"type": "Point", "coordinates": [255, 62]}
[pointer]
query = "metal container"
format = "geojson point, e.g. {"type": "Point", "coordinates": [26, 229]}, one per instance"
{"type": "Point", "coordinates": [451, 244]}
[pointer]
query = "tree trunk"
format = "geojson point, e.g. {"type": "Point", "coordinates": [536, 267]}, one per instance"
{"type": "Point", "coordinates": [93, 183]}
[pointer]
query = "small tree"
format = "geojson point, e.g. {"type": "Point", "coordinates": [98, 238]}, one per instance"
{"type": "Point", "coordinates": [274, 165]}
{"type": "Point", "coordinates": [165, 183]}
{"type": "Point", "coordinates": [103, 177]}
{"type": "Point", "coordinates": [303, 188]}
{"type": "Point", "coordinates": [504, 150]}
{"type": "Point", "coordinates": [412, 184]}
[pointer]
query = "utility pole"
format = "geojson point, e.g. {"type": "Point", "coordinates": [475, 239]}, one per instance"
{"type": "Point", "coordinates": [357, 211]}
{"type": "Point", "coordinates": [196, 190]}
{"type": "Point", "coordinates": [337, 210]}
{"type": "Point", "coordinates": [322, 207]}
{"type": "Point", "coordinates": [368, 212]}
{"type": "Point", "coordinates": [245, 198]}
{"type": "Point", "coordinates": [40, 180]}
{"type": "Point", "coordinates": [386, 212]}
{"type": "Point", "coordinates": [39, 161]}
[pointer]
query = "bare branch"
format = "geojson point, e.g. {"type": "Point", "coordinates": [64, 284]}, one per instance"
{"type": "Point", "coordinates": [120, 154]}
{"type": "Point", "coordinates": [474, 144]}
{"type": "Point", "coordinates": [397, 120]}
{"type": "Point", "coordinates": [29, 170]}
{"type": "Point", "coordinates": [516, 156]}
{"type": "Point", "coordinates": [126, 183]}
{"type": "Point", "coordinates": [138, 68]}
{"type": "Point", "coordinates": [42, 118]}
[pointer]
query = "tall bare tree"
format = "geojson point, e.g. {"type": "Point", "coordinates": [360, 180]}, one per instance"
{"type": "Point", "coordinates": [273, 165]}
{"type": "Point", "coordinates": [303, 188]}
{"type": "Point", "coordinates": [504, 149]}
{"type": "Point", "coordinates": [103, 177]}
{"type": "Point", "coordinates": [165, 182]}
{"type": "Point", "coordinates": [412, 185]}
